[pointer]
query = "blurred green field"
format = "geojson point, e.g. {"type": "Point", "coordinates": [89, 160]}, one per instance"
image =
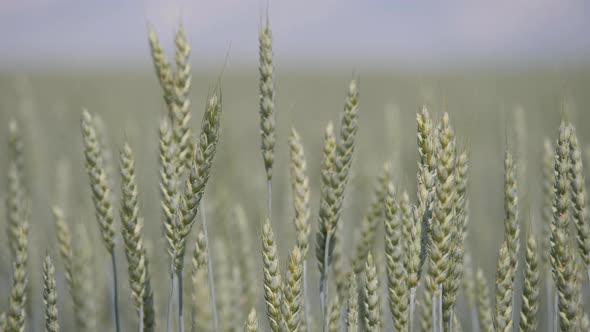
{"type": "Point", "coordinates": [481, 104]}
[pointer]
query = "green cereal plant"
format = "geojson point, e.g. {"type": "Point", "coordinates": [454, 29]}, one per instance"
{"type": "Point", "coordinates": [252, 322]}
{"type": "Point", "coordinates": [273, 294]}
{"type": "Point", "coordinates": [578, 199]}
{"type": "Point", "coordinates": [562, 255]}
{"type": "Point", "coordinates": [352, 305]}
{"type": "Point", "coordinates": [371, 220]}
{"type": "Point", "coordinates": [335, 173]}
{"type": "Point", "coordinates": [443, 217]}
{"type": "Point", "coordinates": [484, 304]}
{"type": "Point", "coordinates": [530, 292]}
{"type": "Point", "coordinates": [132, 230]}
{"type": "Point", "coordinates": [101, 196]}
{"type": "Point", "coordinates": [372, 304]}
{"type": "Point", "coordinates": [18, 294]}
{"type": "Point", "coordinates": [266, 86]}
{"type": "Point", "coordinates": [50, 296]}
{"type": "Point", "coordinates": [398, 295]}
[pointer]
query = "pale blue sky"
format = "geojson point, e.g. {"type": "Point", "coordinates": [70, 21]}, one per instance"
{"type": "Point", "coordinates": [81, 32]}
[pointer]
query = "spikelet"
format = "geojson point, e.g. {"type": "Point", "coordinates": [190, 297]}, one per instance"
{"type": "Point", "coordinates": [371, 220]}
{"type": "Point", "coordinates": [267, 99]}
{"type": "Point", "coordinates": [372, 302]}
{"type": "Point", "coordinates": [252, 322]}
{"type": "Point", "coordinates": [483, 303]}
{"type": "Point", "coordinates": [50, 296]}
{"type": "Point", "coordinates": [133, 239]}
{"type": "Point", "coordinates": [562, 255]}
{"type": "Point", "coordinates": [504, 291]}
{"type": "Point", "coordinates": [530, 292]}
{"type": "Point", "coordinates": [272, 278]}
{"type": "Point", "coordinates": [352, 305]}
{"type": "Point", "coordinates": [579, 211]}
{"type": "Point", "coordinates": [199, 175]}
{"type": "Point", "coordinates": [18, 295]}
{"type": "Point", "coordinates": [99, 184]}
{"type": "Point", "coordinates": [292, 291]}
{"type": "Point", "coordinates": [395, 262]}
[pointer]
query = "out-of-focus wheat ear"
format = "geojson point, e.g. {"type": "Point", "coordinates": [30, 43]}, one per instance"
{"type": "Point", "coordinates": [18, 294]}
{"type": "Point", "coordinates": [50, 296]}
{"type": "Point", "coordinates": [398, 294]}
{"type": "Point", "coordinates": [64, 244]}
{"type": "Point", "coordinates": [352, 305]}
{"type": "Point", "coordinates": [162, 67]}
{"type": "Point", "coordinates": [199, 175]}
{"type": "Point", "coordinates": [334, 314]}
{"type": "Point", "coordinates": [99, 184]}
{"type": "Point", "coordinates": [267, 100]}
{"type": "Point", "coordinates": [272, 277]}
{"type": "Point", "coordinates": [84, 281]}
{"type": "Point", "coordinates": [300, 188]}
{"type": "Point", "coordinates": [16, 146]}
{"type": "Point", "coordinates": [453, 281]}
{"type": "Point", "coordinates": [107, 153]}
{"type": "Point", "coordinates": [246, 260]}
{"type": "Point", "coordinates": [201, 311]}
{"type": "Point", "coordinates": [372, 303]}
{"type": "Point", "coordinates": [340, 269]}
{"type": "Point", "coordinates": [133, 238]}
{"type": "Point", "coordinates": [15, 205]}
{"type": "Point", "coordinates": [292, 288]}
{"type": "Point", "coordinates": [584, 321]}
{"type": "Point", "coordinates": [181, 128]}
{"type": "Point", "coordinates": [412, 234]}
{"type": "Point", "coordinates": [530, 292]}
{"type": "Point", "coordinates": [426, 180]}
{"type": "Point", "coordinates": [484, 305]}
{"type": "Point", "coordinates": [223, 284]}
{"type": "Point", "coordinates": [562, 255]}
{"type": "Point", "coordinates": [252, 322]}
{"type": "Point", "coordinates": [168, 185]}
{"type": "Point", "coordinates": [3, 322]}
{"type": "Point", "coordinates": [426, 307]}
{"type": "Point", "coordinates": [511, 223]}
{"type": "Point", "coordinates": [579, 211]}
{"type": "Point", "coordinates": [443, 222]}
{"type": "Point", "coordinates": [371, 220]}
{"type": "Point", "coordinates": [547, 213]}
{"type": "Point", "coordinates": [468, 282]}
{"type": "Point", "coordinates": [504, 291]}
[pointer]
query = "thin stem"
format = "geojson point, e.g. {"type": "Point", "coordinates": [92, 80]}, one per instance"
{"type": "Point", "coordinates": [209, 268]}
{"type": "Point", "coordinates": [549, 296]}
{"type": "Point", "coordinates": [170, 296]}
{"type": "Point", "coordinates": [433, 313]}
{"type": "Point", "coordinates": [474, 319]}
{"type": "Point", "coordinates": [180, 299]}
{"type": "Point", "coordinates": [412, 307]}
{"type": "Point", "coordinates": [269, 193]}
{"type": "Point", "coordinates": [116, 292]}
{"type": "Point", "coordinates": [141, 318]}
{"type": "Point", "coordinates": [305, 297]}
{"type": "Point", "coordinates": [440, 311]}
{"type": "Point", "coordinates": [324, 285]}
{"type": "Point", "coordinates": [451, 319]}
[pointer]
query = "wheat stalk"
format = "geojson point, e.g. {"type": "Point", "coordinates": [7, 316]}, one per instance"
{"type": "Point", "coordinates": [50, 296]}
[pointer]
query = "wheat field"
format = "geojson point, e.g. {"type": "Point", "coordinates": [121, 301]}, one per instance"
{"type": "Point", "coordinates": [242, 186]}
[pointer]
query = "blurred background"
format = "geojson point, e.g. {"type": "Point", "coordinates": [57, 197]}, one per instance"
{"type": "Point", "coordinates": [507, 73]}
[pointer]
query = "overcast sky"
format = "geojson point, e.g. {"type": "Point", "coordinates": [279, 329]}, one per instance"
{"type": "Point", "coordinates": [79, 32]}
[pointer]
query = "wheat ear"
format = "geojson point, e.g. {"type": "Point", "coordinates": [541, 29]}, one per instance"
{"type": "Point", "coordinates": [139, 279]}
{"type": "Point", "coordinates": [484, 304]}
{"type": "Point", "coordinates": [547, 213]}
{"type": "Point", "coordinates": [168, 185]}
{"type": "Point", "coordinates": [272, 277]}
{"type": "Point", "coordinates": [18, 294]}
{"type": "Point", "coordinates": [352, 305]}
{"type": "Point", "coordinates": [267, 104]}
{"type": "Point", "coordinates": [247, 261]}
{"type": "Point", "coordinates": [84, 282]}
{"type": "Point", "coordinates": [371, 220]}
{"type": "Point", "coordinates": [562, 255]}
{"type": "Point", "coordinates": [579, 211]}
{"type": "Point", "coordinates": [530, 292]}
{"type": "Point", "coordinates": [292, 288]}
{"type": "Point", "coordinates": [334, 314]}
{"type": "Point", "coordinates": [372, 303]}
{"type": "Point", "coordinates": [201, 312]}
{"type": "Point", "coordinates": [252, 322]}
{"type": "Point", "coordinates": [181, 128]}
{"type": "Point", "coordinates": [504, 291]}
{"type": "Point", "coordinates": [50, 296]}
